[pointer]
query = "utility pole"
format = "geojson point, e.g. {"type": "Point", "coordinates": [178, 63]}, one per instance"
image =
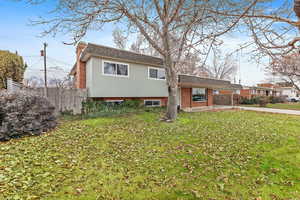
{"type": "Point", "coordinates": [44, 53]}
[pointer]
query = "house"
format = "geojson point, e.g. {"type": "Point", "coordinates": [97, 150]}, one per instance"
{"type": "Point", "coordinates": [260, 90]}
{"type": "Point", "coordinates": [288, 90]}
{"type": "Point", "coordinates": [115, 75]}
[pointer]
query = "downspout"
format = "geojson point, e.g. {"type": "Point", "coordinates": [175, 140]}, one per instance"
{"type": "Point", "coordinates": [232, 104]}
{"type": "Point", "coordinates": [207, 97]}
{"type": "Point", "coordinates": [191, 94]}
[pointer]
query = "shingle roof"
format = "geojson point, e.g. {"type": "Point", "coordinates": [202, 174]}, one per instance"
{"type": "Point", "coordinates": [195, 81]}
{"type": "Point", "coordinates": [118, 54]}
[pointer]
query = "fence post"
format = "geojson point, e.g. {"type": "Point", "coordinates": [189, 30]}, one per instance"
{"type": "Point", "coordinates": [9, 85]}
{"type": "Point", "coordinates": [12, 86]}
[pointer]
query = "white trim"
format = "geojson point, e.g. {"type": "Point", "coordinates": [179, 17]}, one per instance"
{"type": "Point", "coordinates": [152, 100]}
{"type": "Point", "coordinates": [115, 75]}
{"type": "Point", "coordinates": [157, 68]}
{"type": "Point", "coordinates": [179, 93]}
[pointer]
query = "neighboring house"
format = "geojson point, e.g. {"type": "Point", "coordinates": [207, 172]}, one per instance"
{"type": "Point", "coordinates": [255, 91]}
{"type": "Point", "coordinates": [289, 92]}
{"type": "Point", "coordinates": [269, 89]}
{"type": "Point", "coordinates": [116, 75]}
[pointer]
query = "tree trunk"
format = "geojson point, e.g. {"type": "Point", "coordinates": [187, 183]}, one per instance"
{"type": "Point", "coordinates": [172, 104]}
{"type": "Point", "coordinates": [172, 82]}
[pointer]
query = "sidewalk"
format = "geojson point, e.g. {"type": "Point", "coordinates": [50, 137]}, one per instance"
{"type": "Point", "coordinates": [270, 110]}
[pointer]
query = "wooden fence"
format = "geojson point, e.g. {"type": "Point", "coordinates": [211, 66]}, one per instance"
{"type": "Point", "coordinates": [13, 86]}
{"type": "Point", "coordinates": [64, 99]}
{"type": "Point", "coordinates": [226, 99]}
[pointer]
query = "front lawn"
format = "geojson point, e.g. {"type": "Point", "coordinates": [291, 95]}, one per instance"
{"type": "Point", "coordinates": [228, 155]}
{"type": "Point", "coordinates": [288, 106]}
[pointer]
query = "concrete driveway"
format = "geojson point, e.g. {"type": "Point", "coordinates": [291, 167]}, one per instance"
{"type": "Point", "coordinates": [258, 109]}
{"type": "Point", "coordinates": [270, 110]}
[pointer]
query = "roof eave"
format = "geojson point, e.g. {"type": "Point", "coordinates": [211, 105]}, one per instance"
{"type": "Point", "coordinates": [85, 56]}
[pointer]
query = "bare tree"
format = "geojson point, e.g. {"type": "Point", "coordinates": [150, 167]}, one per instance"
{"type": "Point", "coordinates": [65, 82]}
{"type": "Point", "coordinates": [287, 68]}
{"type": "Point", "coordinates": [34, 82]}
{"type": "Point", "coordinates": [189, 24]}
{"type": "Point", "coordinates": [119, 38]}
{"type": "Point", "coordinates": [191, 62]}
{"type": "Point", "coordinates": [223, 67]}
{"type": "Point", "coordinates": [273, 27]}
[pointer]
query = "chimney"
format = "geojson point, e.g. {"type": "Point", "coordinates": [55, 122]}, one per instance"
{"type": "Point", "coordinates": [80, 67]}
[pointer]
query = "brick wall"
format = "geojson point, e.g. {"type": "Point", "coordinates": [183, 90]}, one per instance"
{"type": "Point", "coordinates": [187, 102]}
{"type": "Point", "coordinates": [269, 85]}
{"type": "Point", "coordinates": [80, 79]}
{"type": "Point", "coordinates": [246, 93]}
{"type": "Point", "coordinates": [225, 91]}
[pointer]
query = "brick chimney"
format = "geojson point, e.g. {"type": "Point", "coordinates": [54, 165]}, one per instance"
{"type": "Point", "coordinates": [80, 67]}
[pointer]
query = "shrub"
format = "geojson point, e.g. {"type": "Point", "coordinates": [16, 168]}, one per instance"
{"type": "Point", "coordinates": [263, 101]}
{"type": "Point", "coordinates": [254, 100]}
{"type": "Point", "coordinates": [90, 107]}
{"type": "Point", "coordinates": [245, 101]}
{"type": "Point", "coordinates": [132, 103]}
{"type": "Point", "coordinates": [276, 99]}
{"type": "Point", "coordinates": [24, 114]}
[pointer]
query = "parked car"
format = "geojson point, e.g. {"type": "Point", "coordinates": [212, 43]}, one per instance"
{"type": "Point", "coordinates": [293, 99]}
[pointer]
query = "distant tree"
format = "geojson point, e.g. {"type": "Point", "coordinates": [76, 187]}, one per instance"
{"type": "Point", "coordinates": [65, 82]}
{"type": "Point", "coordinates": [190, 62]}
{"type": "Point", "coordinates": [119, 38]}
{"type": "Point", "coordinates": [11, 66]}
{"type": "Point", "coordinates": [287, 69]}
{"type": "Point", "coordinates": [222, 67]}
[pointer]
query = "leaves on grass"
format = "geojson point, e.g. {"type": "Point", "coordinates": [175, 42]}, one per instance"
{"type": "Point", "coordinates": [220, 155]}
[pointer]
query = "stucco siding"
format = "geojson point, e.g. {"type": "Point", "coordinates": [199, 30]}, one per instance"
{"type": "Point", "coordinates": [136, 85]}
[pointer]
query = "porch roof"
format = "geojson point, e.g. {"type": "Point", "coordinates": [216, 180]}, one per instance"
{"type": "Point", "coordinates": [195, 81]}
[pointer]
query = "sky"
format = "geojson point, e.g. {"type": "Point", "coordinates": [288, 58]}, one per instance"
{"type": "Point", "coordinates": [16, 34]}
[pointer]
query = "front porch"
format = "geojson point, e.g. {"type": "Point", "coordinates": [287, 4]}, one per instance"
{"type": "Point", "coordinates": [197, 92]}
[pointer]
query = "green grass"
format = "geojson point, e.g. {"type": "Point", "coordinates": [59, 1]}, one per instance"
{"type": "Point", "coordinates": [228, 155]}
{"type": "Point", "coordinates": [288, 106]}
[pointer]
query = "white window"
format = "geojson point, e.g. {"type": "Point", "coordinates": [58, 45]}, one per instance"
{"type": "Point", "coordinates": [199, 94]}
{"type": "Point", "coordinates": [216, 92]}
{"type": "Point", "coordinates": [237, 92]}
{"type": "Point", "coordinates": [152, 103]}
{"type": "Point", "coordinates": [115, 69]}
{"type": "Point", "coordinates": [156, 73]}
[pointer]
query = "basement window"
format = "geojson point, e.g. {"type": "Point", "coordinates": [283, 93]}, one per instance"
{"type": "Point", "coordinates": [199, 94]}
{"type": "Point", "coordinates": [113, 102]}
{"type": "Point", "coordinates": [152, 103]}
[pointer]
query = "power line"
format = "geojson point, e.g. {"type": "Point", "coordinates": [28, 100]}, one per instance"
{"type": "Point", "coordinates": [56, 60]}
